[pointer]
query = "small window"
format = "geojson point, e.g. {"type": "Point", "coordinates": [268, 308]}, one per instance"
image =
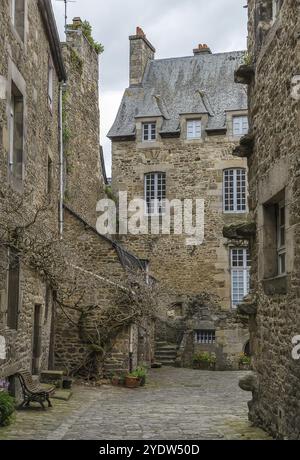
{"type": "Point", "coordinates": [16, 133]}
{"type": "Point", "coordinates": [240, 126]}
{"type": "Point", "coordinates": [240, 275]}
{"type": "Point", "coordinates": [50, 83]}
{"type": "Point", "coordinates": [193, 129]}
{"type": "Point", "coordinates": [13, 290]}
{"type": "Point", "coordinates": [205, 337]}
{"type": "Point", "coordinates": [155, 193]}
{"type": "Point", "coordinates": [149, 132]}
{"type": "Point", "coordinates": [281, 237]}
{"type": "Point", "coordinates": [235, 190]}
{"type": "Point", "coordinates": [18, 16]}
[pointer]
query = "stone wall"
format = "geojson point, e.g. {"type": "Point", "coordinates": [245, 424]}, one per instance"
{"type": "Point", "coordinates": [25, 63]}
{"type": "Point", "coordinates": [274, 176]}
{"type": "Point", "coordinates": [84, 184]}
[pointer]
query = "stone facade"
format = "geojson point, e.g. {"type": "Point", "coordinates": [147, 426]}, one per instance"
{"type": "Point", "coordinates": [84, 184]}
{"type": "Point", "coordinates": [194, 168]}
{"type": "Point", "coordinates": [273, 74]}
{"type": "Point", "coordinates": [29, 174]}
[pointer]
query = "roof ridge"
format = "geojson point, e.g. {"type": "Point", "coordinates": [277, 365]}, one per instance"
{"type": "Point", "coordinates": [198, 56]}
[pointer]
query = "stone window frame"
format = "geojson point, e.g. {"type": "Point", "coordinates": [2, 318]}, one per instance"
{"type": "Point", "coordinates": [244, 269]}
{"type": "Point", "coordinates": [185, 118]}
{"type": "Point", "coordinates": [140, 121]}
{"type": "Point", "coordinates": [205, 336]}
{"type": "Point", "coordinates": [230, 115]}
{"type": "Point", "coordinates": [159, 210]}
{"type": "Point", "coordinates": [15, 78]}
{"type": "Point", "coordinates": [235, 191]}
{"type": "Point", "coordinates": [21, 37]}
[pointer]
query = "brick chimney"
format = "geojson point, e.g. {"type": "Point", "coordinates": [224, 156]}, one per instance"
{"type": "Point", "coordinates": [141, 52]}
{"type": "Point", "coordinates": [202, 49]}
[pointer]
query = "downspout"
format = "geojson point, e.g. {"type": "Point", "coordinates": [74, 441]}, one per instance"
{"type": "Point", "coordinates": [61, 161]}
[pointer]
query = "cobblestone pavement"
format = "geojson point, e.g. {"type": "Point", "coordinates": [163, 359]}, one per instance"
{"type": "Point", "coordinates": [176, 404]}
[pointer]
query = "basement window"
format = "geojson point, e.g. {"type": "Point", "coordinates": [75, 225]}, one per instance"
{"type": "Point", "coordinates": [18, 17]}
{"type": "Point", "coordinates": [16, 154]}
{"type": "Point", "coordinates": [149, 132]}
{"type": "Point", "coordinates": [193, 129]}
{"type": "Point", "coordinates": [205, 337]}
{"type": "Point", "coordinates": [155, 193]}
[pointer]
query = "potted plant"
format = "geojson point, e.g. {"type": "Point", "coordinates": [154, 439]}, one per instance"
{"type": "Point", "coordinates": [244, 362]}
{"type": "Point", "coordinates": [7, 408]}
{"type": "Point", "coordinates": [141, 373]}
{"type": "Point", "coordinates": [204, 361]}
{"type": "Point", "coordinates": [132, 381]}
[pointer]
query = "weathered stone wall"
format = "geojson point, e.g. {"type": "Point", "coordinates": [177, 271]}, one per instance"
{"type": "Point", "coordinates": [274, 169]}
{"type": "Point", "coordinates": [84, 184]}
{"type": "Point", "coordinates": [26, 64]}
{"type": "Point", "coordinates": [194, 169]}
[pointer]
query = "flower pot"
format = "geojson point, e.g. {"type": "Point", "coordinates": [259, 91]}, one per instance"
{"type": "Point", "coordinates": [132, 382]}
{"type": "Point", "coordinates": [67, 384]}
{"type": "Point", "coordinates": [115, 381]}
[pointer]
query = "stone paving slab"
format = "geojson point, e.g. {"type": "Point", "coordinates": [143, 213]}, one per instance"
{"type": "Point", "coordinates": [181, 404]}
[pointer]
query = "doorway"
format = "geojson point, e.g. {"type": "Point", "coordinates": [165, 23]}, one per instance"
{"type": "Point", "coordinates": [37, 339]}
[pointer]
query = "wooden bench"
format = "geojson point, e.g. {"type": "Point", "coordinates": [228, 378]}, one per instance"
{"type": "Point", "coordinates": [32, 391]}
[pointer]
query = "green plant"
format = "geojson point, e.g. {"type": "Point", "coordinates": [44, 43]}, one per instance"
{"type": "Point", "coordinates": [140, 372]}
{"type": "Point", "coordinates": [247, 59]}
{"type": "Point", "coordinates": [76, 60]}
{"type": "Point", "coordinates": [244, 359]}
{"type": "Point", "coordinates": [87, 31]}
{"type": "Point", "coordinates": [7, 408]}
{"type": "Point", "coordinates": [205, 357]}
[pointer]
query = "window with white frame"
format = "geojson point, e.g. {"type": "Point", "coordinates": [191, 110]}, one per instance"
{"type": "Point", "coordinates": [193, 129]}
{"type": "Point", "coordinates": [235, 190]}
{"type": "Point", "coordinates": [240, 275]}
{"type": "Point", "coordinates": [50, 83]}
{"type": "Point", "coordinates": [155, 193]}
{"type": "Point", "coordinates": [205, 337]}
{"type": "Point", "coordinates": [18, 16]}
{"type": "Point", "coordinates": [281, 238]}
{"type": "Point", "coordinates": [240, 125]}
{"type": "Point", "coordinates": [149, 132]}
{"type": "Point", "coordinates": [16, 132]}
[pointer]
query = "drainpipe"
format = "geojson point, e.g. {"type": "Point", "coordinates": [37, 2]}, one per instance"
{"type": "Point", "coordinates": [61, 161]}
{"type": "Point", "coordinates": [131, 348]}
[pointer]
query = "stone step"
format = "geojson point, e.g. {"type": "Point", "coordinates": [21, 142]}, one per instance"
{"type": "Point", "coordinates": [166, 351]}
{"type": "Point", "coordinates": [162, 359]}
{"type": "Point", "coordinates": [160, 356]}
{"type": "Point", "coordinates": [161, 344]}
{"type": "Point", "coordinates": [168, 363]}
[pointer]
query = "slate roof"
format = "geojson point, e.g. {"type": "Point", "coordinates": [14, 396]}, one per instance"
{"type": "Point", "coordinates": [198, 84]}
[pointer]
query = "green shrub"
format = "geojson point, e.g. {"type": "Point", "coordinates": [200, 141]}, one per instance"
{"type": "Point", "coordinates": [244, 359]}
{"type": "Point", "coordinates": [205, 358]}
{"type": "Point", "coordinates": [7, 408]}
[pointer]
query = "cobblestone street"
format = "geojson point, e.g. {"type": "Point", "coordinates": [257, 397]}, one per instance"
{"type": "Point", "coordinates": [176, 404]}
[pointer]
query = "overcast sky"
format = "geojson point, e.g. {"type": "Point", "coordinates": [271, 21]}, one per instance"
{"type": "Point", "coordinates": [174, 27]}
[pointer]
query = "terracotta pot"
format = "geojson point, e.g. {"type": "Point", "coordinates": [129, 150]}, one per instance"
{"type": "Point", "coordinates": [132, 382]}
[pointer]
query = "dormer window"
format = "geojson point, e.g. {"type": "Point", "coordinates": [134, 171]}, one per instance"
{"type": "Point", "coordinates": [193, 129]}
{"type": "Point", "coordinates": [240, 126]}
{"type": "Point", "coordinates": [149, 132]}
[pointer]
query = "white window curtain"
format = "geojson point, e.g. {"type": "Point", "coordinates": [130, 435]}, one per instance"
{"type": "Point", "coordinates": [194, 129]}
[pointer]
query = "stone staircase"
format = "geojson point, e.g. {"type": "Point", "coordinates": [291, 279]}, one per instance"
{"type": "Point", "coordinates": [165, 353]}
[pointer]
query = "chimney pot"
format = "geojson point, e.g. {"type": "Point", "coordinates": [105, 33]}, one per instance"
{"type": "Point", "coordinates": [77, 21]}
{"type": "Point", "coordinates": [202, 49]}
{"type": "Point", "coordinates": [140, 32]}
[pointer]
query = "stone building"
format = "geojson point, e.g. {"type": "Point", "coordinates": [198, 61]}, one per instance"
{"type": "Point", "coordinates": [272, 148]}
{"type": "Point", "coordinates": [31, 73]}
{"type": "Point", "coordinates": [51, 181]}
{"type": "Point", "coordinates": [173, 137]}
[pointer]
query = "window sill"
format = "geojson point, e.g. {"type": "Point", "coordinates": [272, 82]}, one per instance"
{"type": "Point", "coordinates": [276, 285]}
